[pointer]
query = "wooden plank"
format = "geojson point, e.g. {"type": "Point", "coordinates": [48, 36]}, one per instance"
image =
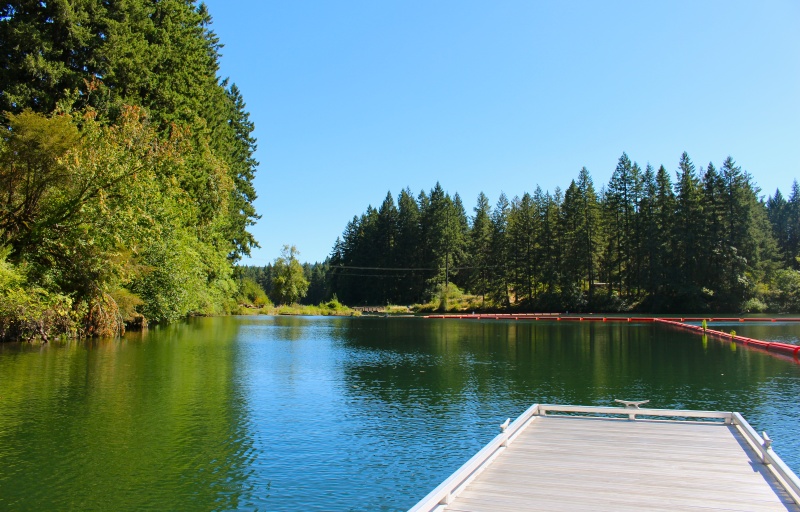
{"type": "Point", "coordinates": [570, 463]}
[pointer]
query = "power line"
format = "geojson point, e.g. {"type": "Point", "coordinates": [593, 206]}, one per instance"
{"type": "Point", "coordinates": [381, 268]}
{"type": "Point", "coordinates": [409, 268]}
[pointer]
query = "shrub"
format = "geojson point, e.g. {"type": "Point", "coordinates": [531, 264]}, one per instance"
{"type": "Point", "coordinates": [251, 293]}
{"type": "Point", "coordinates": [753, 305]}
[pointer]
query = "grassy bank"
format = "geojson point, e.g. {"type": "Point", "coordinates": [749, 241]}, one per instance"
{"type": "Point", "coordinates": [330, 308]}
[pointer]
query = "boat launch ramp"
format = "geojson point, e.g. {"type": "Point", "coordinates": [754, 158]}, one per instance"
{"type": "Point", "coordinates": [561, 457]}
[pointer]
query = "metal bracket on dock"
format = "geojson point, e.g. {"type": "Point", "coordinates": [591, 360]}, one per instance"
{"type": "Point", "coordinates": [503, 428]}
{"type": "Point", "coordinates": [631, 404]}
{"type": "Point", "coordinates": [767, 445]}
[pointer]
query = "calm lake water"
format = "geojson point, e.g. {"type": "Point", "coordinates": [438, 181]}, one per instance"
{"type": "Point", "coordinates": [279, 413]}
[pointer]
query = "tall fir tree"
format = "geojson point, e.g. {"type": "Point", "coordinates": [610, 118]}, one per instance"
{"type": "Point", "coordinates": [480, 246]}
{"type": "Point", "coordinates": [499, 276]}
{"type": "Point", "coordinates": [688, 233]}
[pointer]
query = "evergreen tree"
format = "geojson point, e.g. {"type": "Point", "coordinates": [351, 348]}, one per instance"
{"type": "Point", "coordinates": [318, 286]}
{"type": "Point", "coordinates": [345, 283]}
{"type": "Point", "coordinates": [649, 249]}
{"type": "Point", "coordinates": [385, 246]}
{"type": "Point", "coordinates": [461, 250]}
{"type": "Point", "coordinates": [588, 232]}
{"type": "Point", "coordinates": [663, 261]}
{"type": "Point", "coordinates": [522, 236]}
{"type": "Point", "coordinates": [499, 276]}
{"type": "Point", "coordinates": [621, 207]}
{"type": "Point", "coordinates": [688, 234]}
{"type": "Point", "coordinates": [637, 197]}
{"type": "Point", "coordinates": [777, 210]}
{"type": "Point", "coordinates": [793, 221]}
{"type": "Point", "coordinates": [137, 77]}
{"type": "Point", "coordinates": [715, 240]}
{"type": "Point", "coordinates": [738, 203]}
{"type": "Point", "coordinates": [444, 235]}
{"type": "Point", "coordinates": [480, 246]}
{"type": "Point", "coordinates": [408, 253]}
{"type": "Point", "coordinates": [570, 235]}
{"type": "Point", "coordinates": [704, 242]}
{"type": "Point", "coordinates": [552, 249]}
{"type": "Point", "coordinates": [241, 149]}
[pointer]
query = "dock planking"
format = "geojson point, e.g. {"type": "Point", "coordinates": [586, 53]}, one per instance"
{"type": "Point", "coordinates": [606, 463]}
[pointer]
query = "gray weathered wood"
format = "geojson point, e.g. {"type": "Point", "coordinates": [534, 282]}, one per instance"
{"type": "Point", "coordinates": [577, 463]}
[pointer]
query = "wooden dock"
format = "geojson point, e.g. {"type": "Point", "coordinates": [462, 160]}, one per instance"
{"type": "Point", "coordinates": [589, 458]}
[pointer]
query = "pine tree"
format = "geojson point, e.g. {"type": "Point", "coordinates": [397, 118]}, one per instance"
{"type": "Point", "coordinates": [714, 241]}
{"type": "Point", "coordinates": [570, 235]}
{"type": "Point", "coordinates": [480, 246]}
{"type": "Point", "coordinates": [547, 211]}
{"type": "Point", "coordinates": [141, 67]}
{"type": "Point", "coordinates": [408, 253]}
{"type": "Point", "coordinates": [461, 247]}
{"type": "Point", "coordinates": [522, 234]}
{"type": "Point", "coordinates": [386, 245]}
{"type": "Point", "coordinates": [621, 206]}
{"type": "Point", "coordinates": [778, 214]}
{"type": "Point", "coordinates": [445, 236]}
{"type": "Point", "coordinates": [793, 222]}
{"type": "Point", "coordinates": [499, 277]}
{"type": "Point", "coordinates": [241, 150]}
{"type": "Point", "coordinates": [740, 252]}
{"type": "Point", "coordinates": [648, 226]}
{"type": "Point", "coordinates": [664, 261]}
{"type": "Point", "coordinates": [589, 231]}
{"type": "Point", "coordinates": [689, 234]}
{"type": "Point", "coordinates": [637, 196]}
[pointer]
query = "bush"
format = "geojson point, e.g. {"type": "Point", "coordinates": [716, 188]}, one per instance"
{"type": "Point", "coordinates": [785, 291]}
{"type": "Point", "coordinates": [334, 306]}
{"type": "Point", "coordinates": [251, 294]}
{"type": "Point", "coordinates": [27, 312]}
{"type": "Point", "coordinates": [753, 306]}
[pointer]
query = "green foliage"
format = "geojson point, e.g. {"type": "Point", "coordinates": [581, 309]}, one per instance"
{"type": "Point", "coordinates": [784, 296]}
{"type": "Point", "coordinates": [330, 308]}
{"type": "Point", "coordinates": [126, 165]}
{"type": "Point", "coordinates": [480, 245]}
{"type": "Point", "coordinates": [288, 281]}
{"type": "Point", "coordinates": [30, 311]}
{"type": "Point", "coordinates": [704, 243]}
{"type": "Point", "coordinates": [251, 293]}
{"type": "Point", "coordinates": [171, 282]}
{"type": "Point", "coordinates": [334, 306]}
{"type": "Point", "coordinates": [448, 294]}
{"type": "Point", "coordinates": [754, 305]}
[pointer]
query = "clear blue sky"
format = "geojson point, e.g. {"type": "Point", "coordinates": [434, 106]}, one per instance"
{"type": "Point", "coordinates": [352, 99]}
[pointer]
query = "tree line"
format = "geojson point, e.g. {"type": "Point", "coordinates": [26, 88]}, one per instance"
{"type": "Point", "coordinates": [126, 167]}
{"type": "Point", "coordinates": [703, 241]}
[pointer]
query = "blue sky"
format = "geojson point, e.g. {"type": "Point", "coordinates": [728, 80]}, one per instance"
{"type": "Point", "coordinates": [352, 99]}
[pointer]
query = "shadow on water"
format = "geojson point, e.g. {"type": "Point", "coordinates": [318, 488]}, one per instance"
{"type": "Point", "coordinates": [448, 362]}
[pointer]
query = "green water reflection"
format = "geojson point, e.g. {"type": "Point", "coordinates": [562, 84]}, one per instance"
{"type": "Point", "coordinates": [275, 413]}
{"type": "Point", "coordinates": [153, 421]}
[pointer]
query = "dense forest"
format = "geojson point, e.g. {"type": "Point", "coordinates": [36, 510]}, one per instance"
{"type": "Point", "coordinates": [126, 167]}
{"type": "Point", "coordinates": [704, 242]}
